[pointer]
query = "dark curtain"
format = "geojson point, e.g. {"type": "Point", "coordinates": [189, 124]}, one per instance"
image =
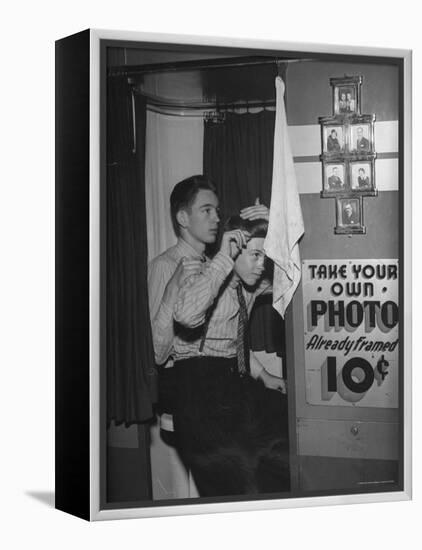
{"type": "Point", "coordinates": [131, 375]}
{"type": "Point", "coordinates": [238, 157]}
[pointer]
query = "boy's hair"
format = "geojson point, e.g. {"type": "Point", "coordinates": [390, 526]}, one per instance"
{"type": "Point", "coordinates": [256, 228]}
{"type": "Point", "coordinates": [184, 194]}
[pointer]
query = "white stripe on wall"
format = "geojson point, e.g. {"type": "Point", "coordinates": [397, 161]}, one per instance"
{"type": "Point", "coordinates": [387, 174]}
{"type": "Point", "coordinates": [309, 175]}
{"type": "Point", "coordinates": [305, 140]}
{"type": "Point", "coordinates": [386, 136]}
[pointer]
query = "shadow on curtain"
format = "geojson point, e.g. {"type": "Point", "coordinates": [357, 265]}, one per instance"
{"type": "Point", "coordinates": [238, 157]}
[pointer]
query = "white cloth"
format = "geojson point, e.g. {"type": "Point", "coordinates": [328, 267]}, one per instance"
{"type": "Point", "coordinates": [286, 222]}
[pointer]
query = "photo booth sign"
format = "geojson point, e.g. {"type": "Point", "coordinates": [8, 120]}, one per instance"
{"type": "Point", "coordinates": [351, 332]}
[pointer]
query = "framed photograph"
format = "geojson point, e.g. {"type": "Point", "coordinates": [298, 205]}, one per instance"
{"type": "Point", "coordinates": [361, 140]}
{"type": "Point", "coordinates": [362, 176]}
{"type": "Point", "coordinates": [349, 215]}
{"type": "Point", "coordinates": [175, 158]}
{"type": "Point", "coordinates": [333, 139]}
{"type": "Point", "coordinates": [335, 178]}
{"type": "Point", "coordinates": [346, 95]}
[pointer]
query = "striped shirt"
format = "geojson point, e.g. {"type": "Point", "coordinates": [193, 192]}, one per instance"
{"type": "Point", "coordinates": [208, 303]}
{"type": "Point", "coordinates": [160, 271]}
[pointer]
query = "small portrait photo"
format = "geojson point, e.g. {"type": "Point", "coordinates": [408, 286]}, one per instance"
{"type": "Point", "coordinates": [361, 176]}
{"type": "Point", "coordinates": [349, 212]}
{"type": "Point", "coordinates": [360, 138]}
{"type": "Point", "coordinates": [333, 139]}
{"type": "Point", "coordinates": [334, 177]}
{"type": "Point", "coordinates": [345, 100]}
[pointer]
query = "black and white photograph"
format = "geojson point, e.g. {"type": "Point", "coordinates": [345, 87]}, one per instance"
{"type": "Point", "coordinates": [200, 348]}
{"type": "Point", "coordinates": [333, 140]}
{"type": "Point", "coordinates": [249, 346]}
{"type": "Point", "coordinates": [350, 212]}
{"type": "Point", "coordinates": [216, 402]}
{"type": "Point", "coordinates": [335, 177]}
{"type": "Point", "coordinates": [362, 176]}
{"type": "Point", "coordinates": [346, 91]}
{"type": "Point", "coordinates": [361, 138]}
{"type": "Point", "coordinates": [346, 100]}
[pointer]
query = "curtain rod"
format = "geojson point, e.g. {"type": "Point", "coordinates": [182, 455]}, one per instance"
{"type": "Point", "coordinates": [210, 112]}
{"type": "Point", "coordinates": [138, 70]}
{"type": "Point", "coordinates": [164, 103]}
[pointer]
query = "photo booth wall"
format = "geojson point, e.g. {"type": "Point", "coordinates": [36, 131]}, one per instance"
{"type": "Point", "coordinates": [372, 452]}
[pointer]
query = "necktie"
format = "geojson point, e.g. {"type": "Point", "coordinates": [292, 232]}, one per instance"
{"type": "Point", "coordinates": [242, 340]}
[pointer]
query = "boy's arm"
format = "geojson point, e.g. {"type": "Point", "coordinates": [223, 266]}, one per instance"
{"type": "Point", "coordinates": [163, 276]}
{"type": "Point", "coordinates": [161, 314]}
{"type": "Point", "coordinates": [200, 291]}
